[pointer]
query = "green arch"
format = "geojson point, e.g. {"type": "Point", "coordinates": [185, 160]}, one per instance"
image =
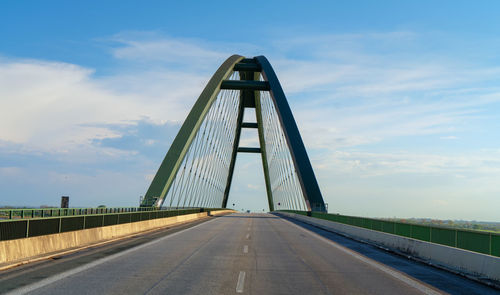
{"type": "Point", "coordinates": [250, 70]}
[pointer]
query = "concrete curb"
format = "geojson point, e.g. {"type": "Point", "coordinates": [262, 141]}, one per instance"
{"type": "Point", "coordinates": [462, 261]}
{"type": "Point", "coordinates": [19, 251]}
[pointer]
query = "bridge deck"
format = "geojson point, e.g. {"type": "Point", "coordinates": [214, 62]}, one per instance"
{"type": "Point", "coordinates": [249, 254]}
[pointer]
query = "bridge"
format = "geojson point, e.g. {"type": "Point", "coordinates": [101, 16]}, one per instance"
{"type": "Point", "coordinates": [201, 159]}
{"type": "Point", "coordinates": [182, 239]}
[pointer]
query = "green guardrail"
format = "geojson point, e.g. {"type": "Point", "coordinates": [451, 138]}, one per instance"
{"type": "Point", "coordinates": [53, 212]}
{"type": "Point", "coordinates": [476, 241]}
{"type": "Point", "coordinates": [32, 227]}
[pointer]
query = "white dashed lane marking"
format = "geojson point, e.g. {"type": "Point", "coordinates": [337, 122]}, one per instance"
{"type": "Point", "coordinates": [241, 282]}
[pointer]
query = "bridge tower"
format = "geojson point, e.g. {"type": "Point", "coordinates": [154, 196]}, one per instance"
{"type": "Point", "coordinates": [198, 168]}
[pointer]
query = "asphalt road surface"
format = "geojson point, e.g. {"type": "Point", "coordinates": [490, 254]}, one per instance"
{"type": "Point", "coordinates": [237, 254]}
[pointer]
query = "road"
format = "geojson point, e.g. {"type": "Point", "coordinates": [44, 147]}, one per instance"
{"type": "Point", "coordinates": [241, 254]}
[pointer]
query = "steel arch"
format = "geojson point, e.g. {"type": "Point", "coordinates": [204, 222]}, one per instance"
{"type": "Point", "coordinates": [250, 86]}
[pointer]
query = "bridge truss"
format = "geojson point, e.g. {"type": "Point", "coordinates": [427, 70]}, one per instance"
{"type": "Point", "coordinates": [199, 166]}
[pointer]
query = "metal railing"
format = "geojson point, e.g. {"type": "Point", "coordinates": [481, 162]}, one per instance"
{"type": "Point", "coordinates": [476, 241]}
{"type": "Point", "coordinates": [31, 227]}
{"type": "Point", "coordinates": [6, 214]}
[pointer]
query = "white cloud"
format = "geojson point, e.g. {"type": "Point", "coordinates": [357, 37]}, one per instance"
{"type": "Point", "coordinates": [10, 171]}
{"type": "Point", "coordinates": [353, 101]}
{"type": "Point", "coordinates": [154, 48]}
{"type": "Point", "coordinates": [370, 164]}
{"type": "Point", "coordinates": [449, 137]}
{"type": "Point", "coordinates": [52, 106]}
{"type": "Point", "coordinates": [372, 97]}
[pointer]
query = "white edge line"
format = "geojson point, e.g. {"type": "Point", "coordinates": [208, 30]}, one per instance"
{"type": "Point", "coordinates": [241, 282]}
{"type": "Point", "coordinates": [55, 278]}
{"type": "Point", "coordinates": [405, 279]}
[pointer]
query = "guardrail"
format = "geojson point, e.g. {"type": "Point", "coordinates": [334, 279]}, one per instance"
{"type": "Point", "coordinates": [31, 227]}
{"type": "Point", "coordinates": [53, 212]}
{"type": "Point", "coordinates": [476, 241]}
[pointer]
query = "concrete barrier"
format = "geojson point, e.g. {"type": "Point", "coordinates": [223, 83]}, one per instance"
{"type": "Point", "coordinates": [459, 260]}
{"type": "Point", "coordinates": [220, 212]}
{"type": "Point", "coordinates": [20, 249]}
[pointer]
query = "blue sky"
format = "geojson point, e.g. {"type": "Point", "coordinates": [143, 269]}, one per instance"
{"type": "Point", "coordinates": [398, 101]}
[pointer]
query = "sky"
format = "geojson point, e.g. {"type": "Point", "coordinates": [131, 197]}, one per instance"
{"type": "Point", "coordinates": [398, 102]}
